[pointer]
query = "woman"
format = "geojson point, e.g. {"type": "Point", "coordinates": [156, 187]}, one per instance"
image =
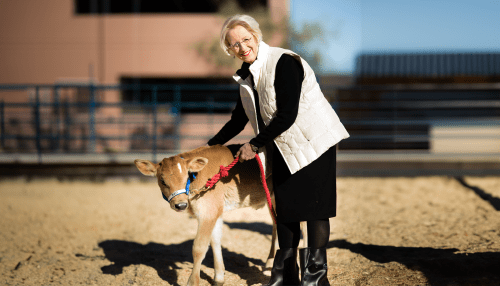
{"type": "Point", "coordinates": [280, 97]}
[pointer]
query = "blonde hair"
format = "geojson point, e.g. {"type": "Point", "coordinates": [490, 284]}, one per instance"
{"type": "Point", "coordinates": [246, 22]}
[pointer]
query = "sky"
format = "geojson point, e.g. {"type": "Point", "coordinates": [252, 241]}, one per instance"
{"type": "Point", "coordinates": [398, 26]}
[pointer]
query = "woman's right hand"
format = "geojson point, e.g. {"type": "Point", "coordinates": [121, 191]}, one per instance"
{"type": "Point", "coordinates": [245, 153]}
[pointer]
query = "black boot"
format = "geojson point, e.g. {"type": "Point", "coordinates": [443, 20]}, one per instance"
{"type": "Point", "coordinates": [285, 270]}
{"type": "Point", "coordinates": [313, 267]}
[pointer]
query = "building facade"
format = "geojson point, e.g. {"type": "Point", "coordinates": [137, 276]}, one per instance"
{"type": "Point", "coordinates": [442, 103]}
{"type": "Point", "coordinates": [108, 42]}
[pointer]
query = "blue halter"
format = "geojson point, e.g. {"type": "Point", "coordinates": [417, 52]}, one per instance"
{"type": "Point", "coordinates": [181, 191]}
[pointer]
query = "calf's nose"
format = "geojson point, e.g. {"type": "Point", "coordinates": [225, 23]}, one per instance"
{"type": "Point", "coordinates": [181, 206]}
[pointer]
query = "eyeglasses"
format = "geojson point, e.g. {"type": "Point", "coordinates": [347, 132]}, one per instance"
{"type": "Point", "coordinates": [237, 45]}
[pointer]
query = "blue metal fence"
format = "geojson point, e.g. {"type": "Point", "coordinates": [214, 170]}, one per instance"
{"type": "Point", "coordinates": [429, 117]}
{"type": "Point", "coordinates": [45, 126]}
{"type": "Point", "coordinates": [79, 119]}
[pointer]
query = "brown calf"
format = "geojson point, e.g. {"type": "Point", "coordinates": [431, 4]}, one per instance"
{"type": "Point", "coordinates": [241, 188]}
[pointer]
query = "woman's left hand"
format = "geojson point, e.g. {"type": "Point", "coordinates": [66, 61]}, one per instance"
{"type": "Point", "coordinates": [245, 153]}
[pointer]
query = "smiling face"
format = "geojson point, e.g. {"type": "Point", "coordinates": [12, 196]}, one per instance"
{"type": "Point", "coordinates": [243, 44]}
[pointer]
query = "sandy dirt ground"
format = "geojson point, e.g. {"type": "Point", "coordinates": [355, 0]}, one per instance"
{"type": "Point", "coordinates": [389, 231]}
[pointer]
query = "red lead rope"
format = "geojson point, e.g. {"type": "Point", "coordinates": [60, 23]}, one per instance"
{"type": "Point", "coordinates": [268, 196]}
{"type": "Point", "coordinates": [224, 172]}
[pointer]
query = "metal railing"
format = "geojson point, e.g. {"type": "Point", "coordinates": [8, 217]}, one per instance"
{"type": "Point", "coordinates": [88, 119]}
{"type": "Point", "coordinates": [430, 117]}
{"type": "Point", "coordinates": [80, 118]}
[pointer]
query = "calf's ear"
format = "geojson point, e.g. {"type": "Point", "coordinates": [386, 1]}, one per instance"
{"type": "Point", "coordinates": [197, 164]}
{"type": "Point", "coordinates": [146, 167]}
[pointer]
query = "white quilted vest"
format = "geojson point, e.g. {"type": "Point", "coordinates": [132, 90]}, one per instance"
{"type": "Point", "coordinates": [317, 126]}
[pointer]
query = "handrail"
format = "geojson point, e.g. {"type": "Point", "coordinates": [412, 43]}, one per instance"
{"type": "Point", "coordinates": [49, 125]}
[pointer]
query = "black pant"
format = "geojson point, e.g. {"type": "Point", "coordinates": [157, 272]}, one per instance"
{"type": "Point", "coordinates": [318, 233]}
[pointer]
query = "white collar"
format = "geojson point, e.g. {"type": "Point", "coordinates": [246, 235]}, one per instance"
{"type": "Point", "coordinates": [257, 65]}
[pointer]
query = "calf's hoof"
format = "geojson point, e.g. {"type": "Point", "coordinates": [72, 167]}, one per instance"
{"type": "Point", "coordinates": [267, 268]}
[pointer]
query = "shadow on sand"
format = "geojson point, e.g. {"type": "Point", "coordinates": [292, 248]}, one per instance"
{"type": "Point", "coordinates": [259, 227]}
{"type": "Point", "coordinates": [494, 202]}
{"type": "Point", "coordinates": [163, 258]}
{"type": "Point", "coordinates": [440, 266]}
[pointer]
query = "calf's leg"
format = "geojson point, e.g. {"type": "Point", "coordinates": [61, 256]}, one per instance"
{"type": "Point", "coordinates": [305, 236]}
{"type": "Point", "coordinates": [217, 251]}
{"type": "Point", "coordinates": [200, 246]}
{"type": "Point", "coordinates": [272, 252]}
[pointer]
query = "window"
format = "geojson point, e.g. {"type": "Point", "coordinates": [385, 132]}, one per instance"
{"type": "Point", "coordinates": [195, 94]}
{"type": "Point", "coordinates": [158, 7]}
